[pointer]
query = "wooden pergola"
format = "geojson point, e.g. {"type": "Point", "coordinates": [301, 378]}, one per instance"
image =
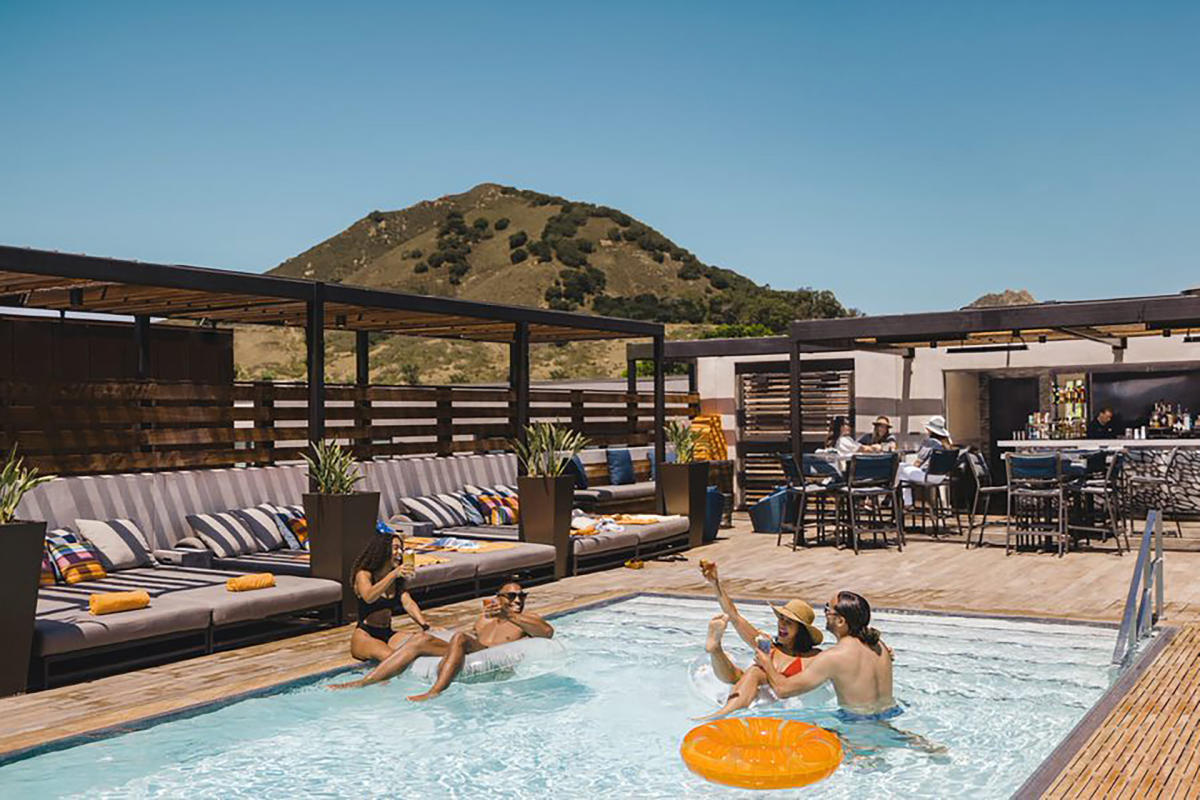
{"type": "Point", "coordinates": [994, 329]}
{"type": "Point", "coordinates": [64, 282]}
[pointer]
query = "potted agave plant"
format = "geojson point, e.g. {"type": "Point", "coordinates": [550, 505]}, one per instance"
{"type": "Point", "coordinates": [23, 542]}
{"type": "Point", "coordinates": [682, 486]}
{"type": "Point", "coordinates": [547, 491]}
{"type": "Point", "coordinates": [340, 520]}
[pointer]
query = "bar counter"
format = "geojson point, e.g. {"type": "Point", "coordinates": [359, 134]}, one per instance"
{"type": "Point", "coordinates": [1146, 457]}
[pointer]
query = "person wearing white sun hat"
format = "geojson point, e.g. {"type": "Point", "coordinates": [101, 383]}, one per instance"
{"type": "Point", "coordinates": [938, 438]}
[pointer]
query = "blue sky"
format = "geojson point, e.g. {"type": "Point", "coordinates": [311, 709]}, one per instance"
{"type": "Point", "coordinates": [909, 156]}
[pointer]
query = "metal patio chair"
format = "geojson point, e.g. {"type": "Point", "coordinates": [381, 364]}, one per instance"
{"type": "Point", "coordinates": [870, 499]}
{"type": "Point", "coordinates": [985, 489]}
{"type": "Point", "coordinates": [1036, 500]}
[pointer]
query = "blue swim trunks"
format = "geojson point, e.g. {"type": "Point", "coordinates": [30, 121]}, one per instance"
{"type": "Point", "coordinates": [853, 716]}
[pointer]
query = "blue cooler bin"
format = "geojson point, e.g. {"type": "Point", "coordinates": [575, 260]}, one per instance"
{"type": "Point", "coordinates": [769, 514]}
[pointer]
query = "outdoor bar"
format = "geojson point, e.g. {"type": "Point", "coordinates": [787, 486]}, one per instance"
{"type": "Point", "coordinates": [1036, 377]}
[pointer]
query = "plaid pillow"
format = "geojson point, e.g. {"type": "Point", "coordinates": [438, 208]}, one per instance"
{"type": "Point", "coordinates": [497, 509]}
{"type": "Point", "coordinates": [292, 518]}
{"type": "Point", "coordinates": [75, 561]}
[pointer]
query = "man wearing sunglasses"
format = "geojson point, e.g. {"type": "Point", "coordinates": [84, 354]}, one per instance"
{"type": "Point", "coordinates": [504, 619]}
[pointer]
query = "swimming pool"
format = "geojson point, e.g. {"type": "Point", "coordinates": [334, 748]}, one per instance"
{"type": "Point", "coordinates": [998, 694]}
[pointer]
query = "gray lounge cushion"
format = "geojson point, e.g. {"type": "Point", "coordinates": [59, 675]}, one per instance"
{"type": "Point", "coordinates": [660, 530]}
{"type": "Point", "coordinates": [514, 559]}
{"type": "Point", "coordinates": [629, 491]}
{"type": "Point", "coordinates": [604, 542]}
{"type": "Point", "coordinates": [278, 562]}
{"type": "Point", "coordinates": [457, 567]}
{"type": "Point", "coordinates": [289, 594]}
{"type": "Point", "coordinates": [67, 629]}
{"type": "Point", "coordinates": [224, 534]}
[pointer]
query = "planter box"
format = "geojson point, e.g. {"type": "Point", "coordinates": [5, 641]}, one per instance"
{"type": "Point", "coordinates": [546, 516]}
{"type": "Point", "coordinates": [20, 569]}
{"type": "Point", "coordinates": [682, 489]}
{"type": "Point", "coordinates": [339, 527]}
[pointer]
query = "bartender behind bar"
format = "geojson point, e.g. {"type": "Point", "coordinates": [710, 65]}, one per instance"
{"type": "Point", "coordinates": [1101, 426]}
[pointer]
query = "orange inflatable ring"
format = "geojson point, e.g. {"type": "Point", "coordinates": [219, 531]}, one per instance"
{"type": "Point", "coordinates": [761, 752]}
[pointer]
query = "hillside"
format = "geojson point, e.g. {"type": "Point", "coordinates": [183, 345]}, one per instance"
{"type": "Point", "coordinates": [504, 245]}
{"type": "Point", "coordinates": [1009, 297]}
{"type": "Point", "coordinates": [516, 246]}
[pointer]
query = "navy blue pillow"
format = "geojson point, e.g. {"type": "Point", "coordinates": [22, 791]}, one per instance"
{"type": "Point", "coordinates": [575, 467]}
{"type": "Point", "coordinates": [620, 467]}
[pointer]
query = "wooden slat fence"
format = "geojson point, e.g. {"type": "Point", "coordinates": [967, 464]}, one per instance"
{"type": "Point", "coordinates": [112, 426]}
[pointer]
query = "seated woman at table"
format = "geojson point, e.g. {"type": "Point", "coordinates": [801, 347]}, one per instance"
{"type": "Point", "coordinates": [938, 438]}
{"type": "Point", "coordinates": [841, 440]}
{"type": "Point", "coordinates": [880, 439]}
{"type": "Point", "coordinates": [379, 578]}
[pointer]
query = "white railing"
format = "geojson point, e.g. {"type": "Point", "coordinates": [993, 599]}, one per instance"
{"type": "Point", "coordinates": [1139, 617]}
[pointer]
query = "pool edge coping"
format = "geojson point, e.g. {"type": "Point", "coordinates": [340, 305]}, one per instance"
{"type": "Point", "coordinates": [130, 726]}
{"type": "Point", "coordinates": [1053, 765]}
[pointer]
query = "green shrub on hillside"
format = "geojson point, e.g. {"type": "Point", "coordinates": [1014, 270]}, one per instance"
{"type": "Point", "coordinates": [690, 271]}
{"type": "Point", "coordinates": [569, 252]}
{"type": "Point", "coordinates": [586, 245]}
{"type": "Point", "coordinates": [541, 250]}
{"type": "Point", "coordinates": [421, 267]}
{"type": "Point", "coordinates": [613, 234]}
{"type": "Point", "coordinates": [457, 271]}
{"type": "Point", "coordinates": [517, 239]}
{"type": "Point", "coordinates": [737, 330]}
{"type": "Point", "coordinates": [501, 223]}
{"type": "Point", "coordinates": [480, 224]}
{"type": "Point", "coordinates": [518, 256]}
{"type": "Point", "coordinates": [376, 216]}
{"type": "Point", "coordinates": [415, 253]}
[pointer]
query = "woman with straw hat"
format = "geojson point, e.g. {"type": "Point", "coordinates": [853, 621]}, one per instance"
{"type": "Point", "coordinates": [793, 647]}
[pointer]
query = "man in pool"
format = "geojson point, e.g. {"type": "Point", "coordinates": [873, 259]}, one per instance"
{"type": "Point", "coordinates": [504, 619]}
{"type": "Point", "coordinates": [792, 651]}
{"type": "Point", "coordinates": [859, 666]}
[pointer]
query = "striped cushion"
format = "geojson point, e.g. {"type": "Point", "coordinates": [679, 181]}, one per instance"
{"type": "Point", "coordinates": [224, 534]}
{"type": "Point", "coordinates": [291, 517]}
{"type": "Point", "coordinates": [464, 506]}
{"type": "Point", "coordinates": [264, 524]}
{"type": "Point", "coordinates": [433, 510]}
{"type": "Point", "coordinates": [498, 510]}
{"type": "Point", "coordinates": [119, 542]}
{"type": "Point", "coordinates": [74, 560]}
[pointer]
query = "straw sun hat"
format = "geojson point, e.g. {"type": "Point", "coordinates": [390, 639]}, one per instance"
{"type": "Point", "coordinates": [802, 612]}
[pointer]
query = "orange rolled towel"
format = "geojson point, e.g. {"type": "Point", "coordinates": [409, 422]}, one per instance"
{"type": "Point", "coordinates": [112, 602]}
{"type": "Point", "coordinates": [246, 583]}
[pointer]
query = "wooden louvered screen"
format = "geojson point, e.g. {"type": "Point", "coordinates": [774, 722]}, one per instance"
{"type": "Point", "coordinates": [764, 416]}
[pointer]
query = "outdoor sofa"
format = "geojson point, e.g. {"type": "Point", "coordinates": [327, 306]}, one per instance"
{"type": "Point", "coordinates": [190, 612]}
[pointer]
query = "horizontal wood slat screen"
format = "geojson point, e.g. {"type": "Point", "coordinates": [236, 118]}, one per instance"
{"type": "Point", "coordinates": [114, 426]}
{"type": "Point", "coordinates": [764, 418]}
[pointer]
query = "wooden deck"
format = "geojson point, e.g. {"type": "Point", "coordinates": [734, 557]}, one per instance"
{"type": "Point", "coordinates": [1147, 744]}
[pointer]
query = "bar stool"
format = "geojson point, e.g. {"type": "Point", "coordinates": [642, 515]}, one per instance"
{"type": "Point", "coordinates": [1035, 499]}
{"type": "Point", "coordinates": [1104, 491]}
{"type": "Point", "coordinates": [870, 500]}
{"type": "Point", "coordinates": [1163, 486]}
{"type": "Point", "coordinates": [816, 480]}
{"type": "Point", "coordinates": [985, 489]}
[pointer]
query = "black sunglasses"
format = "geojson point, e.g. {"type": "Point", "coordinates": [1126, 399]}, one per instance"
{"type": "Point", "coordinates": [513, 596]}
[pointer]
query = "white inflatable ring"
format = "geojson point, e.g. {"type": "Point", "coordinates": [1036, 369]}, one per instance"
{"type": "Point", "coordinates": [519, 660]}
{"type": "Point", "coordinates": [709, 687]}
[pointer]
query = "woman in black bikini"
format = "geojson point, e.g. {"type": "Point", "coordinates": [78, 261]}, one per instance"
{"type": "Point", "coordinates": [379, 576]}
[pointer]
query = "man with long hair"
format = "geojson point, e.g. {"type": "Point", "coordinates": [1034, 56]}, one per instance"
{"type": "Point", "coordinates": [859, 666]}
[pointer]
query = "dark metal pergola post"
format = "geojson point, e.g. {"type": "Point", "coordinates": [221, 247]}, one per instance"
{"type": "Point", "coordinates": [660, 400]}
{"type": "Point", "coordinates": [362, 381]}
{"type": "Point", "coordinates": [797, 406]}
{"type": "Point", "coordinates": [518, 375]}
{"type": "Point", "coordinates": [314, 330]}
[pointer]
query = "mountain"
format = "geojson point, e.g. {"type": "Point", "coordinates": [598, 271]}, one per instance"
{"type": "Point", "coordinates": [1009, 297]}
{"type": "Point", "coordinates": [516, 246]}
{"type": "Point", "coordinates": [505, 245]}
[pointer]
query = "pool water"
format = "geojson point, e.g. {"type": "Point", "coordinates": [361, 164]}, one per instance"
{"type": "Point", "coordinates": [999, 695]}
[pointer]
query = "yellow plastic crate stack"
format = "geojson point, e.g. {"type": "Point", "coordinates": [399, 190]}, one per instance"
{"type": "Point", "coordinates": [711, 446]}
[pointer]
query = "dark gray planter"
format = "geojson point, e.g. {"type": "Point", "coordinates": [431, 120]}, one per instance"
{"type": "Point", "coordinates": [681, 490]}
{"type": "Point", "coordinates": [546, 515]}
{"type": "Point", "coordinates": [339, 527]}
{"type": "Point", "coordinates": [22, 543]}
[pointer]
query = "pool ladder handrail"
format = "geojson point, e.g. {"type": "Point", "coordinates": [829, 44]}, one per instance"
{"type": "Point", "coordinates": [1139, 618]}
